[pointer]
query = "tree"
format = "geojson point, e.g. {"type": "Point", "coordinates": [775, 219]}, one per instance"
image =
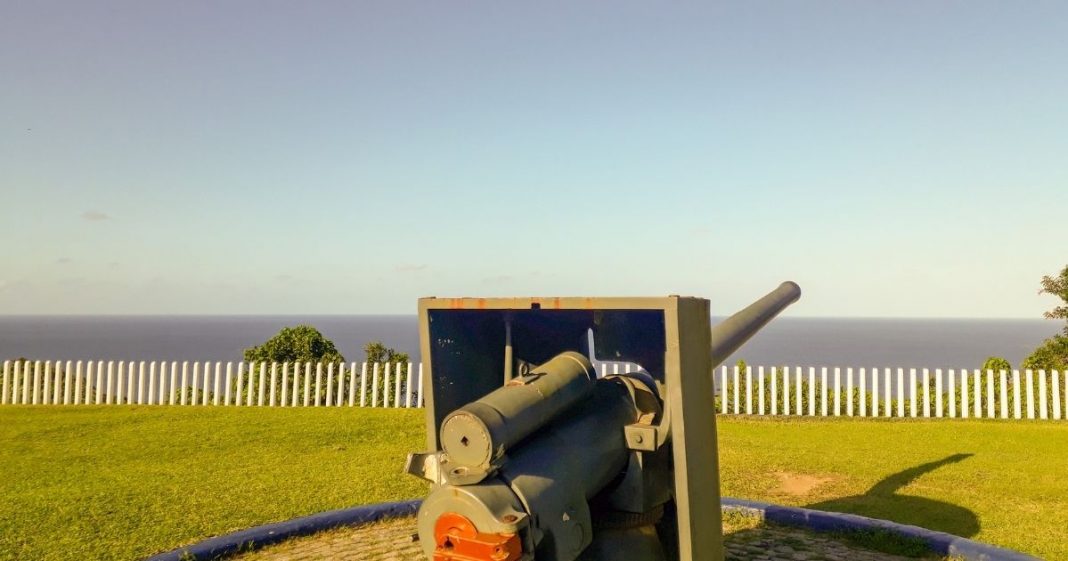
{"type": "Point", "coordinates": [377, 352]}
{"type": "Point", "coordinates": [302, 343]}
{"type": "Point", "coordinates": [1053, 353]}
{"type": "Point", "coordinates": [996, 364]}
{"type": "Point", "coordinates": [1057, 286]}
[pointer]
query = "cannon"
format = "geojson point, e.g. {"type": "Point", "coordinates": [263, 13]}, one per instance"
{"type": "Point", "coordinates": [540, 449]}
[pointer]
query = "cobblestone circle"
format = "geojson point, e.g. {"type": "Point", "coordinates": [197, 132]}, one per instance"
{"type": "Point", "coordinates": [395, 540]}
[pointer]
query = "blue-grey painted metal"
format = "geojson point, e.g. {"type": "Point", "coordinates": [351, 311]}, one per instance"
{"type": "Point", "coordinates": [820, 521]}
{"type": "Point", "coordinates": [260, 536]}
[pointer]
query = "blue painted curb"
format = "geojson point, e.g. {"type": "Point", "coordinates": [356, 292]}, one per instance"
{"type": "Point", "coordinates": [255, 538]}
{"type": "Point", "coordinates": [820, 521]}
{"type": "Point", "coordinates": [816, 520]}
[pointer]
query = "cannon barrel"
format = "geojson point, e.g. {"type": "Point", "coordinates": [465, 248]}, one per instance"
{"type": "Point", "coordinates": [733, 332]}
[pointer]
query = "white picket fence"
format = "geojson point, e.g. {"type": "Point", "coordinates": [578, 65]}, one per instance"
{"type": "Point", "coordinates": [888, 392]}
{"type": "Point", "coordinates": [755, 390]}
{"type": "Point", "coordinates": [211, 383]}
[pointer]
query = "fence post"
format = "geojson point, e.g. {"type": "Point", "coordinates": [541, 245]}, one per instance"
{"type": "Point", "coordinates": [293, 400]}
{"type": "Point", "coordinates": [977, 382]}
{"type": "Point", "coordinates": [77, 383]}
{"type": "Point", "coordinates": [274, 384]}
{"type": "Point", "coordinates": [990, 393]}
{"type": "Point", "coordinates": [363, 384]}
{"type": "Point", "coordinates": [318, 383]}
{"type": "Point", "coordinates": [239, 390]}
{"type": "Point", "coordinates": [938, 392]}
{"type": "Point", "coordinates": [397, 383]}
{"type": "Point", "coordinates": [913, 391]}
{"type": "Point", "coordinates": [130, 381]}
{"type": "Point", "coordinates": [965, 398]}
{"type": "Point", "coordinates": [374, 387]}
{"type": "Point", "coordinates": [58, 381]}
{"type": "Point", "coordinates": [340, 400]}
{"type": "Point", "coordinates": [823, 391]}
{"type": "Point", "coordinates": [760, 390]}
{"type": "Point", "coordinates": [875, 392]}
{"type": "Point", "coordinates": [797, 396]}
{"type": "Point", "coordinates": [965, 404]}
{"type": "Point", "coordinates": [307, 382]}
{"type": "Point", "coordinates": [352, 383]}
{"type": "Point", "coordinates": [7, 374]}
{"type": "Point", "coordinates": [849, 391]}
{"type": "Point", "coordinates": [1042, 395]}
{"type": "Point", "coordinates": [48, 384]}
{"type": "Point", "coordinates": [786, 390]}
{"type": "Point", "coordinates": [1017, 406]}
{"type": "Point", "coordinates": [408, 388]}
{"type": "Point", "coordinates": [723, 395]}
{"type": "Point", "coordinates": [285, 384]}
{"type": "Point", "coordinates": [329, 384]}
{"type": "Point", "coordinates": [15, 382]}
{"type": "Point", "coordinates": [67, 374]}
{"type": "Point", "coordinates": [811, 391]}
{"type": "Point", "coordinates": [123, 390]}
{"type": "Point", "coordinates": [952, 394]}
{"type": "Point", "coordinates": [901, 393]}
{"type": "Point", "coordinates": [837, 391]}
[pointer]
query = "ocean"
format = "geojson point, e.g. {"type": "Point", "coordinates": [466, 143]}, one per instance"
{"type": "Point", "coordinates": [919, 343]}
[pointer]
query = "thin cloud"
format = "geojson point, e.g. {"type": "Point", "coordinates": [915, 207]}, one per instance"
{"type": "Point", "coordinates": [95, 216]}
{"type": "Point", "coordinates": [409, 268]}
{"type": "Point", "coordinates": [62, 260]}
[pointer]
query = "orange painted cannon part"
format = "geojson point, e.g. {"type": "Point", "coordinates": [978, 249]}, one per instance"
{"type": "Point", "coordinates": [457, 539]}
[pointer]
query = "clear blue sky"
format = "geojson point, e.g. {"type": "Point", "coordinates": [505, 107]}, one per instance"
{"type": "Point", "coordinates": [893, 158]}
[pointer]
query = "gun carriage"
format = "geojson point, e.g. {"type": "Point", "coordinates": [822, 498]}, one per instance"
{"type": "Point", "coordinates": [534, 455]}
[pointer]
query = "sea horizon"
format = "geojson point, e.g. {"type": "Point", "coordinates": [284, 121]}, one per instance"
{"type": "Point", "coordinates": [791, 341]}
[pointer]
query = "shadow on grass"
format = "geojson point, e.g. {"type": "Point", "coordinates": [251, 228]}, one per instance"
{"type": "Point", "coordinates": [883, 501]}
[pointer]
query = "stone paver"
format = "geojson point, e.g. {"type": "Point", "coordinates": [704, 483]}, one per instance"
{"type": "Point", "coordinates": [395, 540]}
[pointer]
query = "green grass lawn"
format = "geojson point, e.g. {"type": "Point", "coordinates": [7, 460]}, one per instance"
{"type": "Point", "coordinates": [125, 482]}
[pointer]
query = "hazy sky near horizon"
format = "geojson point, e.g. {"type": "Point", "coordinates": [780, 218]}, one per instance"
{"type": "Point", "coordinates": [261, 157]}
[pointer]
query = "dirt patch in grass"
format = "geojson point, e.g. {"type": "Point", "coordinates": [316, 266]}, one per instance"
{"type": "Point", "coordinates": [799, 484]}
